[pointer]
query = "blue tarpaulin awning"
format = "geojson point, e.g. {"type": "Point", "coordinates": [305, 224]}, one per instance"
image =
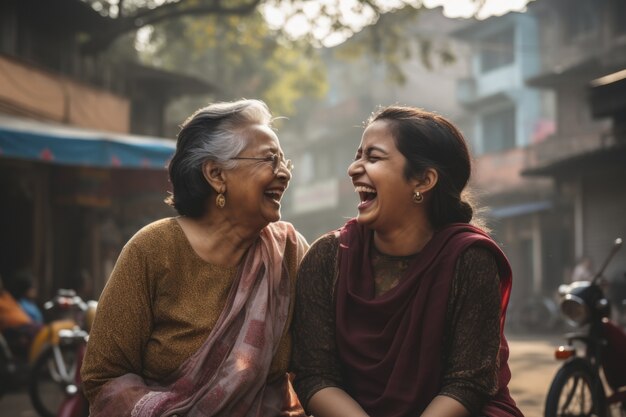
{"type": "Point", "coordinates": [67, 145]}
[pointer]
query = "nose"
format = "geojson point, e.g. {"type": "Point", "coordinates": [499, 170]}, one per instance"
{"type": "Point", "coordinates": [355, 168]}
{"type": "Point", "coordinates": [284, 170]}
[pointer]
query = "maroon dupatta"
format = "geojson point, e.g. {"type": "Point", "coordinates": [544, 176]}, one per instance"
{"type": "Point", "coordinates": [391, 345]}
{"type": "Point", "coordinates": [227, 376]}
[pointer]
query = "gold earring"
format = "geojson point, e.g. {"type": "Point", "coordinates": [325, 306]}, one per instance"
{"type": "Point", "coordinates": [220, 201]}
{"type": "Point", "coordinates": [418, 197]}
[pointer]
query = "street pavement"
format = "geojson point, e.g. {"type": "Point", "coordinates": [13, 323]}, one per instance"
{"type": "Point", "coordinates": [532, 365]}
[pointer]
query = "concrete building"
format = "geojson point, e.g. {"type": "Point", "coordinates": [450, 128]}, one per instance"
{"type": "Point", "coordinates": [583, 46]}
{"type": "Point", "coordinates": [323, 140]}
{"type": "Point", "coordinates": [77, 178]}
{"type": "Point", "coordinates": [505, 117]}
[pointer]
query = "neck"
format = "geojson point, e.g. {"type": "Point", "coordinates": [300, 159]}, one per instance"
{"type": "Point", "coordinates": [218, 240]}
{"type": "Point", "coordinates": [403, 242]}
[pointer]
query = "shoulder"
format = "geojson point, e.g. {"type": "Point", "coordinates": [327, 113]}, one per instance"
{"type": "Point", "coordinates": [477, 267]}
{"type": "Point", "coordinates": [293, 238]}
{"type": "Point", "coordinates": [158, 236]}
{"type": "Point", "coordinates": [317, 271]}
{"type": "Point", "coordinates": [324, 248]}
{"type": "Point", "coordinates": [476, 255]}
{"type": "Point", "coordinates": [285, 229]}
{"type": "Point", "coordinates": [327, 242]}
{"type": "Point", "coordinates": [157, 227]}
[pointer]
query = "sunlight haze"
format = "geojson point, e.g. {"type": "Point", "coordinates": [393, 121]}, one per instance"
{"type": "Point", "coordinates": [299, 24]}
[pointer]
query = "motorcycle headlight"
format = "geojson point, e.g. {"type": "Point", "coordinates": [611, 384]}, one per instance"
{"type": "Point", "coordinates": [575, 310]}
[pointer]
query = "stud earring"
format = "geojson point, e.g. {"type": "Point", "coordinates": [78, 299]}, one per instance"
{"type": "Point", "coordinates": [418, 197]}
{"type": "Point", "coordinates": [220, 201]}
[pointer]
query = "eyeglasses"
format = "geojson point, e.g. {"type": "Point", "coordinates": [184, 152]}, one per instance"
{"type": "Point", "coordinates": [274, 159]}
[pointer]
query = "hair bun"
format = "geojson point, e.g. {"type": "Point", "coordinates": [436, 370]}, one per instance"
{"type": "Point", "coordinates": [466, 211]}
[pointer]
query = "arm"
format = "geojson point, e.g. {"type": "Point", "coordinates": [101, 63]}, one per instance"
{"type": "Point", "coordinates": [472, 338]}
{"type": "Point", "coordinates": [443, 406]}
{"type": "Point", "coordinates": [334, 402]}
{"type": "Point", "coordinates": [122, 324]}
{"type": "Point", "coordinates": [318, 380]}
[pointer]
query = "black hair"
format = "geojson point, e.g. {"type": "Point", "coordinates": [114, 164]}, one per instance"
{"type": "Point", "coordinates": [427, 140]}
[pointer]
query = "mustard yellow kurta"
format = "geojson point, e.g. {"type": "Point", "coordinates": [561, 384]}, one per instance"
{"type": "Point", "coordinates": [160, 304]}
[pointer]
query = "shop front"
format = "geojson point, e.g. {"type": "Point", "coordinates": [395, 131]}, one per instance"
{"type": "Point", "coordinates": [71, 198]}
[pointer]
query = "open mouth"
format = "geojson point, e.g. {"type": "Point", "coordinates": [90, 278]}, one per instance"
{"type": "Point", "coordinates": [366, 194]}
{"type": "Point", "coordinates": [274, 195]}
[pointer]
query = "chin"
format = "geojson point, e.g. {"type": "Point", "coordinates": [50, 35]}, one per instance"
{"type": "Point", "coordinates": [364, 220]}
{"type": "Point", "coordinates": [273, 218]}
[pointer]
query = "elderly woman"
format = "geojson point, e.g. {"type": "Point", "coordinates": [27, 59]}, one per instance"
{"type": "Point", "coordinates": [400, 312]}
{"type": "Point", "coordinates": [195, 317]}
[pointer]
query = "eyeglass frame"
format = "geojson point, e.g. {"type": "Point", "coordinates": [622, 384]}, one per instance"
{"type": "Point", "coordinates": [275, 159]}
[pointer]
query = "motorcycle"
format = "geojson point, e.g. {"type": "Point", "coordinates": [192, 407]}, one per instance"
{"type": "Point", "coordinates": [22, 352]}
{"type": "Point", "coordinates": [75, 403]}
{"type": "Point", "coordinates": [598, 367]}
{"type": "Point", "coordinates": [54, 357]}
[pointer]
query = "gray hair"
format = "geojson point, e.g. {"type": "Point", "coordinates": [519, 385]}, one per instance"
{"type": "Point", "coordinates": [225, 141]}
{"type": "Point", "coordinates": [212, 133]}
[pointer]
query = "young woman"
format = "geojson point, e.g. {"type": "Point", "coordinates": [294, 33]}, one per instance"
{"type": "Point", "coordinates": [400, 312]}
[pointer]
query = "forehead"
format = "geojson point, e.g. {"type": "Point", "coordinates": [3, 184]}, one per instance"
{"type": "Point", "coordinates": [261, 136]}
{"type": "Point", "coordinates": [378, 134]}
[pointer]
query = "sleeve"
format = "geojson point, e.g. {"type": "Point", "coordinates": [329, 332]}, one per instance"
{"type": "Point", "coordinates": [314, 357]}
{"type": "Point", "coordinates": [121, 326]}
{"type": "Point", "coordinates": [472, 331]}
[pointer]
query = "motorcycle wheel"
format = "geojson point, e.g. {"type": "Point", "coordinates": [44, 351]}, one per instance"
{"type": "Point", "coordinates": [52, 372]}
{"type": "Point", "coordinates": [576, 391]}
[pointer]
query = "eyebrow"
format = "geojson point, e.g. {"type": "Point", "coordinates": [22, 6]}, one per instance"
{"type": "Point", "coordinates": [368, 151]}
{"type": "Point", "coordinates": [273, 150]}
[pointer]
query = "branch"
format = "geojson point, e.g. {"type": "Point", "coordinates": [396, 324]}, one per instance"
{"type": "Point", "coordinates": [124, 24]}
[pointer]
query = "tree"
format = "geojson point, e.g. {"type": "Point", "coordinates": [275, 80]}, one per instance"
{"type": "Point", "coordinates": [333, 15]}
{"type": "Point", "coordinates": [241, 56]}
{"type": "Point", "coordinates": [229, 43]}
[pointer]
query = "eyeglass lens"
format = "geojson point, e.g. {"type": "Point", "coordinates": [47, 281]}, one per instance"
{"type": "Point", "coordinates": [276, 161]}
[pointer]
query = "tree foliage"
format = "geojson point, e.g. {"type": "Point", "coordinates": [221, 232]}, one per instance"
{"type": "Point", "coordinates": [241, 56]}
{"type": "Point", "coordinates": [229, 42]}
{"type": "Point", "coordinates": [328, 17]}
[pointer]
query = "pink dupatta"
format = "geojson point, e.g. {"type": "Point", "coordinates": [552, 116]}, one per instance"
{"type": "Point", "coordinates": [227, 376]}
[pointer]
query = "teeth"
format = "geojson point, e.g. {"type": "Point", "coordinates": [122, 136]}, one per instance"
{"type": "Point", "coordinates": [364, 189]}
{"type": "Point", "coordinates": [274, 194]}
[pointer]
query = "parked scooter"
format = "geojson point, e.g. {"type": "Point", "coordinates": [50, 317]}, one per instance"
{"type": "Point", "coordinates": [53, 355]}
{"type": "Point", "coordinates": [75, 403]}
{"type": "Point", "coordinates": [578, 388]}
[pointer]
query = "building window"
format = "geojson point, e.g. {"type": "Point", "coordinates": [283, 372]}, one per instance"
{"type": "Point", "coordinates": [499, 130]}
{"type": "Point", "coordinates": [497, 50]}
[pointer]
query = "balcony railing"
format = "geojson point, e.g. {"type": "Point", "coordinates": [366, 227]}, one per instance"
{"type": "Point", "coordinates": [562, 147]}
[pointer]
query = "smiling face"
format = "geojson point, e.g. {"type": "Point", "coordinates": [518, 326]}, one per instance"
{"type": "Point", "coordinates": [378, 177]}
{"type": "Point", "coordinates": [253, 191]}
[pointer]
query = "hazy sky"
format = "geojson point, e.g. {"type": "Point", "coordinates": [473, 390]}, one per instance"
{"type": "Point", "coordinates": [465, 8]}
{"type": "Point", "coordinates": [299, 25]}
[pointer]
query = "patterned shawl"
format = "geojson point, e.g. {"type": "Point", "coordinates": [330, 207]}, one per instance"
{"type": "Point", "coordinates": [227, 376]}
{"type": "Point", "coordinates": [391, 345]}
